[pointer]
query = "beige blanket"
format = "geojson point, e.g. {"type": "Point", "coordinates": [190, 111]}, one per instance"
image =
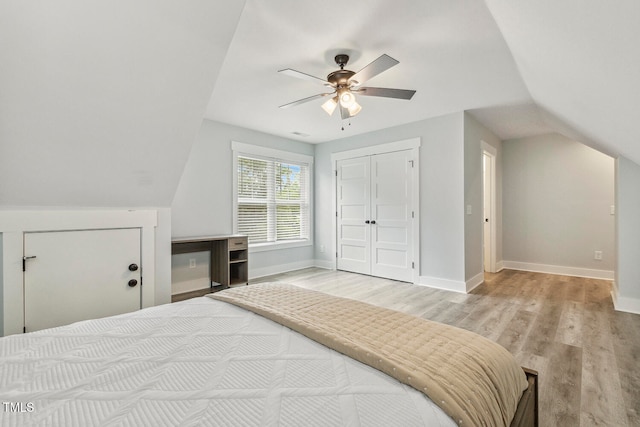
{"type": "Point", "coordinates": [474, 380]}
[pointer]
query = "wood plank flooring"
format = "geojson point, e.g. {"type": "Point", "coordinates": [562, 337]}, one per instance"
{"type": "Point", "coordinates": [587, 354]}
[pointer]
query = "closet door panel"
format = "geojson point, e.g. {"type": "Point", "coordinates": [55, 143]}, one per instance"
{"type": "Point", "coordinates": [391, 205]}
{"type": "Point", "coordinates": [354, 207]}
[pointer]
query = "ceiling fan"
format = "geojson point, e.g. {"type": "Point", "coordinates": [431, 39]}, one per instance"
{"type": "Point", "coordinates": [346, 83]}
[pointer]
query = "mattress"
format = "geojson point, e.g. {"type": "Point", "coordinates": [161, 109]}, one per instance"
{"type": "Point", "coordinates": [196, 362]}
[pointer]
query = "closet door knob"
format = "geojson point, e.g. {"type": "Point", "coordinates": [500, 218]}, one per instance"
{"type": "Point", "coordinates": [133, 267]}
{"type": "Point", "coordinates": [367, 222]}
{"type": "Point", "coordinates": [133, 283]}
{"type": "Point", "coordinates": [373, 222]}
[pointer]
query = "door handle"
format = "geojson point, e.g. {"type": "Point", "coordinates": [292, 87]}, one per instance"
{"type": "Point", "coordinates": [133, 267]}
{"type": "Point", "coordinates": [367, 222]}
{"type": "Point", "coordinates": [373, 221]}
{"type": "Point", "coordinates": [24, 261]}
{"type": "Point", "coordinates": [132, 283]}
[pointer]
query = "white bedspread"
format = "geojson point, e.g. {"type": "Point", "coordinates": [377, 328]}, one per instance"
{"type": "Point", "coordinates": [197, 362]}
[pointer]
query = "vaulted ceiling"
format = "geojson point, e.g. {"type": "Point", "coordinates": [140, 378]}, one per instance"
{"type": "Point", "coordinates": [100, 101]}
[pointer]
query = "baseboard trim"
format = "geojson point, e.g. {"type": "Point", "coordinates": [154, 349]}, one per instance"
{"type": "Point", "coordinates": [499, 266]}
{"type": "Point", "coordinates": [626, 304]}
{"type": "Point", "coordinates": [444, 284]}
{"type": "Point", "coordinates": [558, 269]}
{"type": "Point", "coordinates": [320, 263]}
{"type": "Point", "coordinates": [255, 273]}
{"type": "Point", "coordinates": [474, 282]}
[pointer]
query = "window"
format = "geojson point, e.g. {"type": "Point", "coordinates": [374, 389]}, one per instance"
{"type": "Point", "coordinates": [272, 191]}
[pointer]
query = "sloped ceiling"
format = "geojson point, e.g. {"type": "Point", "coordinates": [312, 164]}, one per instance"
{"type": "Point", "coordinates": [580, 60]}
{"type": "Point", "coordinates": [451, 52]}
{"type": "Point", "coordinates": [521, 67]}
{"type": "Point", "coordinates": [100, 101]}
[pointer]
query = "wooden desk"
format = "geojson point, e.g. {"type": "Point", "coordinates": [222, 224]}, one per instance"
{"type": "Point", "coordinates": [229, 264]}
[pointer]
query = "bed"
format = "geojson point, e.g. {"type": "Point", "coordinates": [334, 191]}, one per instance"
{"type": "Point", "coordinates": [246, 358]}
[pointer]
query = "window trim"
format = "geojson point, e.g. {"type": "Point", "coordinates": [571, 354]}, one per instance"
{"type": "Point", "coordinates": [250, 150]}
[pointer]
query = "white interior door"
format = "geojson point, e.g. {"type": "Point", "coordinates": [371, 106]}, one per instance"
{"type": "Point", "coordinates": [354, 210]}
{"type": "Point", "coordinates": [391, 209]}
{"type": "Point", "coordinates": [77, 275]}
{"type": "Point", "coordinates": [486, 163]}
{"type": "Point", "coordinates": [374, 215]}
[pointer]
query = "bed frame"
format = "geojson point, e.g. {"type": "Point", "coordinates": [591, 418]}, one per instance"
{"type": "Point", "coordinates": [527, 412]}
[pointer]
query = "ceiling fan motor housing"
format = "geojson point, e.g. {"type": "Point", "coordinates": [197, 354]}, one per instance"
{"type": "Point", "coordinates": [340, 78]}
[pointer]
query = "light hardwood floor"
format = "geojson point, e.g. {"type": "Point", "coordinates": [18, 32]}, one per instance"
{"type": "Point", "coordinates": [587, 354]}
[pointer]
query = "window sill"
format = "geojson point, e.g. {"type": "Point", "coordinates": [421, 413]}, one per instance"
{"type": "Point", "coordinates": [274, 246]}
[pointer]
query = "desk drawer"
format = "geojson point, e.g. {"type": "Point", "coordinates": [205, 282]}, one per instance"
{"type": "Point", "coordinates": [237, 243]}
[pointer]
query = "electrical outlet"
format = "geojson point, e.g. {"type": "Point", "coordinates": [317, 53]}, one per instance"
{"type": "Point", "coordinates": [597, 255]}
{"type": "Point", "coordinates": [192, 263]}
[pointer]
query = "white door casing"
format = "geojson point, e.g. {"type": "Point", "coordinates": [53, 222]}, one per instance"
{"type": "Point", "coordinates": [375, 215]}
{"type": "Point", "coordinates": [79, 275]}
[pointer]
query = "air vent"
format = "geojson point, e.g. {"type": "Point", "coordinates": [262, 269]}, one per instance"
{"type": "Point", "coordinates": [301, 134]}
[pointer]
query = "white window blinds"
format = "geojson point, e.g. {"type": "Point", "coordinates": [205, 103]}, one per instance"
{"type": "Point", "coordinates": [273, 199]}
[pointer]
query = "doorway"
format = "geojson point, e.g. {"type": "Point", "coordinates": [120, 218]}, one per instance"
{"type": "Point", "coordinates": [489, 207]}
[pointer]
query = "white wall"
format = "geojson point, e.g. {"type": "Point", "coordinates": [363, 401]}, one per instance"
{"type": "Point", "coordinates": [441, 195]}
{"type": "Point", "coordinates": [203, 203]}
{"type": "Point", "coordinates": [557, 195]}
{"type": "Point", "coordinates": [626, 295]}
{"type": "Point", "coordinates": [474, 134]}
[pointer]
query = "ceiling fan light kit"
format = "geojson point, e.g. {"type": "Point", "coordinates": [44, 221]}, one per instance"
{"type": "Point", "coordinates": [330, 105]}
{"type": "Point", "coordinates": [346, 82]}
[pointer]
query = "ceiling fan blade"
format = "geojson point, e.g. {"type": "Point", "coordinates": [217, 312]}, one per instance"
{"type": "Point", "coordinates": [381, 64]}
{"type": "Point", "coordinates": [386, 92]}
{"type": "Point", "coordinates": [304, 100]}
{"type": "Point", "coordinates": [304, 76]}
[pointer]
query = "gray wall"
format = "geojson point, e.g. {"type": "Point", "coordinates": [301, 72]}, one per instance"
{"type": "Point", "coordinates": [474, 134]}
{"type": "Point", "coordinates": [557, 195]}
{"type": "Point", "coordinates": [441, 192]}
{"type": "Point", "coordinates": [628, 234]}
{"type": "Point", "coordinates": [203, 203]}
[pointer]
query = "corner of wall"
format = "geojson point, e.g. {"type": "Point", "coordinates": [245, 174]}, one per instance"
{"type": "Point", "coordinates": [628, 305]}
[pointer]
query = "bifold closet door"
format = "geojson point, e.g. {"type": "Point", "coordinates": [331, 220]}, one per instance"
{"type": "Point", "coordinates": [375, 218]}
{"type": "Point", "coordinates": [77, 275]}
